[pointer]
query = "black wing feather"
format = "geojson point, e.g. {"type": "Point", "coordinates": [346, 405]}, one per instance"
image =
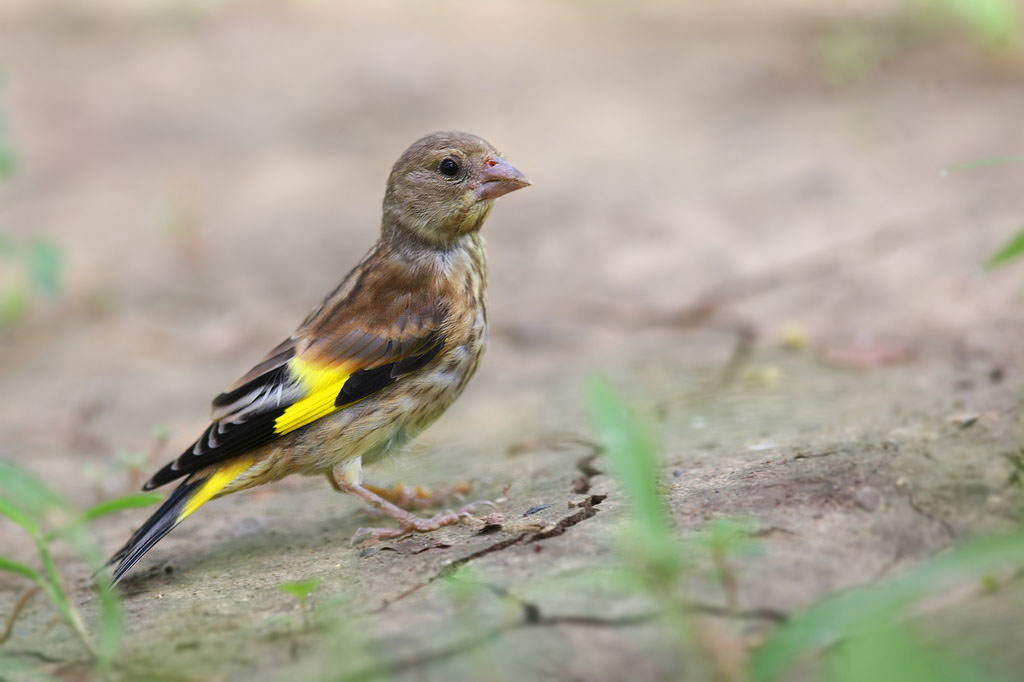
{"type": "Point", "coordinates": [275, 376]}
{"type": "Point", "coordinates": [366, 382]}
{"type": "Point", "coordinates": [219, 442]}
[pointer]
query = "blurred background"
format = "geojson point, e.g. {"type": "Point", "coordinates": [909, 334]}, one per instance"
{"type": "Point", "coordinates": [798, 196]}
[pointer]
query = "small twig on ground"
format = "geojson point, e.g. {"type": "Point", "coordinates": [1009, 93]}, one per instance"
{"type": "Point", "coordinates": [809, 455]}
{"type": "Point", "coordinates": [934, 518]}
{"type": "Point", "coordinates": [19, 606]}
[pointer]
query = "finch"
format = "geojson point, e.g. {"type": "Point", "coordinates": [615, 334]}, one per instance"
{"type": "Point", "coordinates": [374, 364]}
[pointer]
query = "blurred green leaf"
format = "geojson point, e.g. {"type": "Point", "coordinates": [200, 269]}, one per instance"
{"type": "Point", "coordinates": [634, 463]}
{"type": "Point", "coordinates": [1011, 251]}
{"type": "Point", "coordinates": [127, 502]}
{"type": "Point", "coordinates": [131, 459]}
{"type": "Point", "coordinates": [984, 163]}
{"type": "Point", "coordinates": [26, 500]}
{"type": "Point", "coordinates": [994, 23]}
{"type": "Point", "coordinates": [894, 654]}
{"type": "Point", "coordinates": [28, 492]}
{"type": "Point", "coordinates": [857, 611]}
{"type": "Point", "coordinates": [850, 53]}
{"type": "Point", "coordinates": [45, 262]}
{"type": "Point", "coordinates": [463, 585]}
{"type": "Point", "coordinates": [111, 623]}
{"type": "Point", "coordinates": [729, 536]}
{"type": "Point", "coordinates": [18, 568]}
{"type": "Point", "coordinates": [300, 589]}
{"type": "Point", "coordinates": [7, 164]}
{"type": "Point", "coordinates": [133, 501]}
{"type": "Point", "coordinates": [7, 246]}
{"type": "Point", "coordinates": [41, 263]}
{"type": "Point", "coordinates": [631, 453]}
{"type": "Point", "coordinates": [11, 511]}
{"type": "Point", "coordinates": [14, 305]}
{"type": "Point", "coordinates": [13, 669]}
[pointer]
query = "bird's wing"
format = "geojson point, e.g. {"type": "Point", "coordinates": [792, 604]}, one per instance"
{"type": "Point", "coordinates": [325, 367]}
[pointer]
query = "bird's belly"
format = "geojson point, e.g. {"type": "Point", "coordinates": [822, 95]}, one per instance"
{"type": "Point", "coordinates": [431, 393]}
{"type": "Point", "coordinates": [383, 423]}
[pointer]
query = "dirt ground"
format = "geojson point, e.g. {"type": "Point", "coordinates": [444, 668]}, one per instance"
{"type": "Point", "coordinates": [210, 172]}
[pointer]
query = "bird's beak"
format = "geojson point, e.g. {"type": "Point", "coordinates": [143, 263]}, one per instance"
{"type": "Point", "coordinates": [499, 178]}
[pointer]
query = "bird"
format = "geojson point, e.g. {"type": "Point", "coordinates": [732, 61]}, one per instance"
{"type": "Point", "coordinates": [374, 364]}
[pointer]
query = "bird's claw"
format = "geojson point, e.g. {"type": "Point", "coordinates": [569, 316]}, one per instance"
{"type": "Point", "coordinates": [417, 497]}
{"type": "Point", "coordinates": [418, 525]}
{"type": "Point", "coordinates": [467, 510]}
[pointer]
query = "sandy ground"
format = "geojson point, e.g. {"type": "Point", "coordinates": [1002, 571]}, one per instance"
{"type": "Point", "coordinates": [210, 173]}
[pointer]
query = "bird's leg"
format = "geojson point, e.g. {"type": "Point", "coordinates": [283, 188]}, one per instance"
{"type": "Point", "coordinates": [349, 483]}
{"type": "Point", "coordinates": [417, 497]}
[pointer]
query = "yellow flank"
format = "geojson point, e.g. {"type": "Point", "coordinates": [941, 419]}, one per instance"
{"type": "Point", "coordinates": [213, 485]}
{"type": "Point", "coordinates": [322, 385]}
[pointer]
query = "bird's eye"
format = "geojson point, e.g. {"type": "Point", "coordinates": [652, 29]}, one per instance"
{"type": "Point", "coordinates": [449, 168]}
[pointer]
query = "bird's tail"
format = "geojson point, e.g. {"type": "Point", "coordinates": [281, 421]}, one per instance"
{"type": "Point", "coordinates": [186, 498]}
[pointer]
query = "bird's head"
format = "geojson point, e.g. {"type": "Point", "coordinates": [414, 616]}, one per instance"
{"type": "Point", "coordinates": [443, 186]}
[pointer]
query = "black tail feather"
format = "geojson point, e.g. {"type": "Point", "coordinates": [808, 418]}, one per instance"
{"type": "Point", "coordinates": [156, 526]}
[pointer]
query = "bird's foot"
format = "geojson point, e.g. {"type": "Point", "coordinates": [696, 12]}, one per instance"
{"type": "Point", "coordinates": [411, 523]}
{"type": "Point", "coordinates": [408, 522]}
{"type": "Point", "coordinates": [417, 497]}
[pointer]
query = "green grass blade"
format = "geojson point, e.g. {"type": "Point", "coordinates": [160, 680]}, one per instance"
{"type": "Point", "coordinates": [18, 568]}
{"type": "Point", "coordinates": [54, 588]}
{"type": "Point", "coordinates": [52, 582]}
{"type": "Point", "coordinates": [650, 544]}
{"type": "Point", "coordinates": [127, 502]}
{"type": "Point", "coordinates": [895, 653]}
{"type": "Point", "coordinates": [27, 500]}
{"type": "Point", "coordinates": [857, 611]}
{"type": "Point", "coordinates": [8, 509]}
{"type": "Point", "coordinates": [29, 493]}
{"type": "Point", "coordinates": [111, 623]}
{"type": "Point", "coordinates": [102, 509]}
{"type": "Point", "coordinates": [13, 669]}
{"type": "Point", "coordinates": [1014, 249]}
{"type": "Point", "coordinates": [49, 579]}
{"type": "Point", "coordinates": [631, 453]}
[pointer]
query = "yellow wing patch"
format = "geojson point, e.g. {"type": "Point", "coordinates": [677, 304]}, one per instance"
{"type": "Point", "coordinates": [322, 385]}
{"type": "Point", "coordinates": [213, 485]}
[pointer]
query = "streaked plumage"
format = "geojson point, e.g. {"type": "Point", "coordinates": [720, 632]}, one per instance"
{"type": "Point", "coordinates": [374, 364]}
